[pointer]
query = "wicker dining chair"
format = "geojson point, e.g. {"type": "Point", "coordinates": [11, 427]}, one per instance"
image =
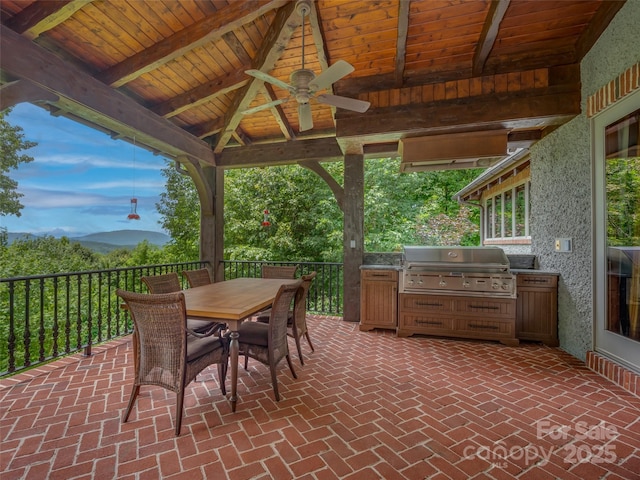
{"type": "Point", "coordinates": [279, 271]}
{"type": "Point", "coordinates": [297, 319]}
{"type": "Point", "coordinates": [167, 353]}
{"type": "Point", "coordinates": [267, 342]}
{"type": "Point", "coordinates": [170, 283]}
{"type": "Point", "coordinates": [197, 278]}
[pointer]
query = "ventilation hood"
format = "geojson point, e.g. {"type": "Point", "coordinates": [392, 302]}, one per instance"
{"type": "Point", "coordinates": [453, 151]}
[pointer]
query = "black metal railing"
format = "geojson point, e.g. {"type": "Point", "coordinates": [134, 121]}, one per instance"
{"type": "Point", "coordinates": [325, 293]}
{"type": "Point", "coordinates": [44, 317]}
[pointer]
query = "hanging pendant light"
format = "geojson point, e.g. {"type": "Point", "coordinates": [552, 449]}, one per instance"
{"type": "Point", "coordinates": [133, 215]}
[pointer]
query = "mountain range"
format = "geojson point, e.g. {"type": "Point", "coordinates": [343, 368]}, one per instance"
{"type": "Point", "coordinates": [103, 242]}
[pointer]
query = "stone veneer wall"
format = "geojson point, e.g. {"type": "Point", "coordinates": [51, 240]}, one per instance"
{"type": "Point", "coordinates": [561, 165]}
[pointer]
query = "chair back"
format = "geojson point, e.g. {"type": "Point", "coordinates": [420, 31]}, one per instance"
{"type": "Point", "coordinates": [197, 278]}
{"type": "Point", "coordinates": [300, 303]}
{"type": "Point", "coordinates": [273, 271]}
{"type": "Point", "coordinates": [277, 342]}
{"type": "Point", "coordinates": [166, 283]}
{"type": "Point", "coordinates": [160, 324]}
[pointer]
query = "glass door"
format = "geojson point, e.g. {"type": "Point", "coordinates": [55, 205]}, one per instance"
{"type": "Point", "coordinates": [617, 231]}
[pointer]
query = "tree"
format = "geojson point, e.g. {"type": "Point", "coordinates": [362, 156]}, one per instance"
{"type": "Point", "coordinates": [12, 142]}
{"type": "Point", "coordinates": [179, 206]}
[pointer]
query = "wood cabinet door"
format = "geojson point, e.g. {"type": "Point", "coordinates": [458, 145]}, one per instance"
{"type": "Point", "coordinates": [379, 297]}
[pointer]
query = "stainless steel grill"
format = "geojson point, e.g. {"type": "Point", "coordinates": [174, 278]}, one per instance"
{"type": "Point", "coordinates": [471, 271]}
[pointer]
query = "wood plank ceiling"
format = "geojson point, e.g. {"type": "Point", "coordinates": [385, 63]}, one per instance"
{"type": "Point", "coordinates": [172, 73]}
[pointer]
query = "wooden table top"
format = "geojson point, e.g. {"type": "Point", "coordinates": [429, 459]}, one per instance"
{"type": "Point", "coordinates": [232, 299]}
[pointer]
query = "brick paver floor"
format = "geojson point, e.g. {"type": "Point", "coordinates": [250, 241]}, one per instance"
{"type": "Point", "coordinates": [366, 405]}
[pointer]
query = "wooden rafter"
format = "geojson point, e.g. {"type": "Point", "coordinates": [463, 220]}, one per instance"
{"type": "Point", "coordinates": [201, 94]}
{"type": "Point", "coordinates": [598, 24]}
{"type": "Point", "coordinates": [90, 99]}
{"type": "Point", "coordinates": [497, 10]}
{"type": "Point", "coordinates": [283, 26]}
{"type": "Point", "coordinates": [278, 113]}
{"type": "Point", "coordinates": [401, 42]}
{"type": "Point", "coordinates": [177, 45]}
{"type": "Point", "coordinates": [44, 15]}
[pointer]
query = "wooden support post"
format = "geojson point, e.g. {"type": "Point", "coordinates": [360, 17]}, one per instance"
{"type": "Point", "coordinates": [218, 211]}
{"type": "Point", "coordinates": [353, 234]}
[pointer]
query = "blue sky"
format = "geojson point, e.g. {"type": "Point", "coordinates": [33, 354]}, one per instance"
{"type": "Point", "coordinates": [81, 180]}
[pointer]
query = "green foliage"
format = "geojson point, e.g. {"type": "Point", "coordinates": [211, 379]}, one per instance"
{"type": "Point", "coordinates": [623, 201]}
{"type": "Point", "coordinates": [11, 143]}
{"type": "Point", "coordinates": [180, 208]}
{"type": "Point", "coordinates": [45, 255]}
{"type": "Point", "coordinates": [306, 222]}
{"type": "Point", "coordinates": [415, 208]}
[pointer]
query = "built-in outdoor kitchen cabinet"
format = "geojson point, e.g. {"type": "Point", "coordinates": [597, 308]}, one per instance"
{"type": "Point", "coordinates": [379, 299]}
{"type": "Point", "coordinates": [537, 307]}
{"type": "Point", "coordinates": [458, 316]}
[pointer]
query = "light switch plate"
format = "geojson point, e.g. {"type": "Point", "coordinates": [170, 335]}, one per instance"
{"type": "Point", "coordinates": [563, 245]}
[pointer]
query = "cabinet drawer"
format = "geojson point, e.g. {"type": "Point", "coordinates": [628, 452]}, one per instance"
{"type": "Point", "coordinates": [543, 281]}
{"type": "Point", "coordinates": [425, 303]}
{"type": "Point", "coordinates": [383, 275]}
{"type": "Point", "coordinates": [426, 323]}
{"type": "Point", "coordinates": [484, 307]}
{"type": "Point", "coordinates": [485, 328]}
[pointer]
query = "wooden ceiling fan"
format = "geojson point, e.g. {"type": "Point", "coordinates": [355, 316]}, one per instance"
{"type": "Point", "coordinates": [304, 85]}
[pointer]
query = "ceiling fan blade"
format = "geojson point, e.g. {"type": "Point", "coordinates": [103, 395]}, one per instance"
{"type": "Point", "coordinates": [331, 75]}
{"type": "Point", "coordinates": [265, 77]}
{"type": "Point", "coordinates": [353, 104]}
{"type": "Point", "coordinates": [259, 108]}
{"type": "Point", "coordinates": [304, 117]}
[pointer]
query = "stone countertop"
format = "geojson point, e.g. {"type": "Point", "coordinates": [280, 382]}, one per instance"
{"type": "Point", "coordinates": [529, 271]}
{"type": "Point", "coordinates": [381, 267]}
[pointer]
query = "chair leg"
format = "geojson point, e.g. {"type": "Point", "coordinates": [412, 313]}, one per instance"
{"type": "Point", "coordinates": [179, 403]}
{"type": "Point", "coordinates": [306, 334]}
{"type": "Point", "coordinates": [297, 339]}
{"type": "Point", "coordinates": [222, 376]}
{"type": "Point", "coordinates": [134, 394]}
{"type": "Point", "coordinates": [274, 381]}
{"type": "Point", "coordinates": [293, 372]}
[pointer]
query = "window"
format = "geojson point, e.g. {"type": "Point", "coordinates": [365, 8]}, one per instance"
{"type": "Point", "coordinates": [507, 212]}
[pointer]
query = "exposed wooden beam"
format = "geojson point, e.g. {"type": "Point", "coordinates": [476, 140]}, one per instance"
{"type": "Point", "coordinates": [317, 33]}
{"type": "Point", "coordinates": [324, 149]}
{"type": "Point", "coordinates": [43, 15]}
{"type": "Point", "coordinates": [21, 91]}
{"type": "Point", "coordinates": [497, 10]}
{"type": "Point", "coordinates": [598, 24]}
{"type": "Point", "coordinates": [528, 109]}
{"type": "Point", "coordinates": [202, 94]}
{"type": "Point", "coordinates": [205, 31]}
{"type": "Point", "coordinates": [336, 188]}
{"type": "Point", "coordinates": [401, 41]}
{"type": "Point", "coordinates": [278, 113]}
{"type": "Point", "coordinates": [285, 23]}
{"type": "Point", "coordinates": [90, 99]}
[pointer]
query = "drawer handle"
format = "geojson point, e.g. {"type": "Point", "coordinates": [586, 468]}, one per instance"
{"type": "Point", "coordinates": [484, 327]}
{"type": "Point", "coordinates": [483, 307]}
{"type": "Point", "coordinates": [428, 322]}
{"type": "Point", "coordinates": [535, 280]}
{"type": "Point", "coordinates": [428, 304]}
{"type": "Point", "coordinates": [379, 275]}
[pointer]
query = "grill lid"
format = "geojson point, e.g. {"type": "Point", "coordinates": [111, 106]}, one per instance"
{"type": "Point", "coordinates": [460, 259]}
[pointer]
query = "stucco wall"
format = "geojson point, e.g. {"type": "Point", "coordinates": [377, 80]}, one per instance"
{"type": "Point", "coordinates": [561, 186]}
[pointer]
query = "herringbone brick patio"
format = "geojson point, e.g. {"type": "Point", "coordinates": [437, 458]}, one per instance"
{"type": "Point", "coordinates": [366, 405]}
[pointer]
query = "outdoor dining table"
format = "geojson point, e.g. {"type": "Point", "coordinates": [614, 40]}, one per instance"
{"type": "Point", "coordinates": [232, 301]}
